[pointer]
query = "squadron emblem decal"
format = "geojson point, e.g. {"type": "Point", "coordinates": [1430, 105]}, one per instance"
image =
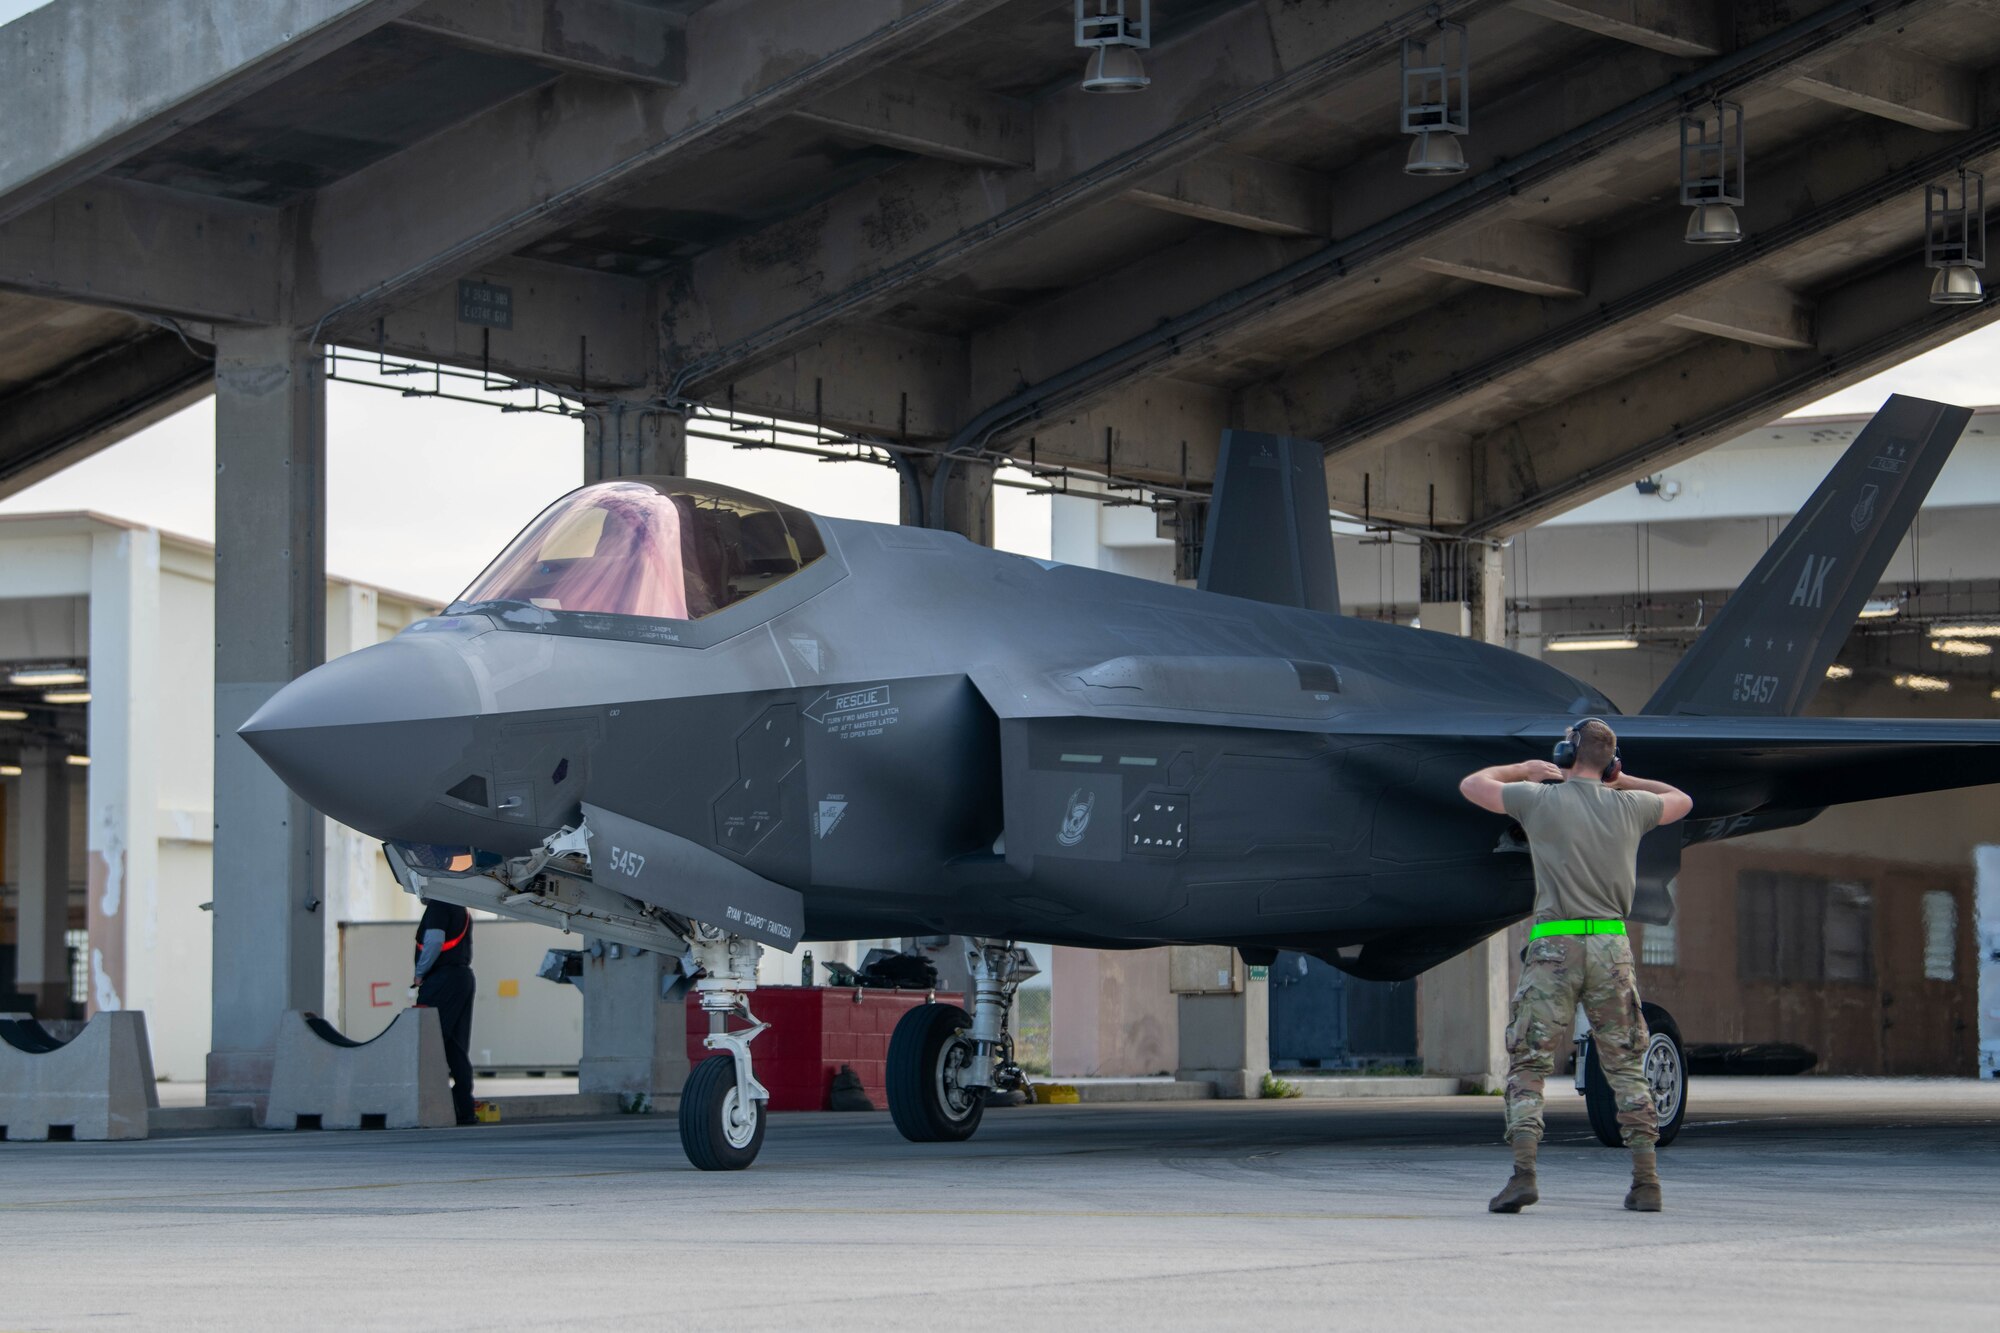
{"type": "Point", "coordinates": [1864, 508]}
{"type": "Point", "coordinates": [1077, 821]}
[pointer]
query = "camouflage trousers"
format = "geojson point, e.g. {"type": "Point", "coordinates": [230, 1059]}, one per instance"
{"type": "Point", "coordinates": [1561, 972]}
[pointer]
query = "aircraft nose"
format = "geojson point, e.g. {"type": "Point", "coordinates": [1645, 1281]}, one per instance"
{"type": "Point", "coordinates": [367, 738]}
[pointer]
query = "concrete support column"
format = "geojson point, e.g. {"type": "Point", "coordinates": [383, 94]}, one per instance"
{"type": "Point", "coordinates": [121, 829]}
{"type": "Point", "coordinates": [968, 499]}
{"type": "Point", "coordinates": [1224, 1017]}
{"type": "Point", "coordinates": [1462, 1003]}
{"type": "Point", "coordinates": [41, 960]}
{"type": "Point", "coordinates": [633, 438]}
{"type": "Point", "coordinates": [634, 1042]}
{"type": "Point", "coordinates": [270, 627]}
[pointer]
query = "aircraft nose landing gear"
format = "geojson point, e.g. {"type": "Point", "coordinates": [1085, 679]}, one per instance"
{"type": "Point", "coordinates": [722, 1104]}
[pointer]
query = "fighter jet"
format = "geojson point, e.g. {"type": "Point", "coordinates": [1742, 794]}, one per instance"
{"type": "Point", "coordinates": [689, 719]}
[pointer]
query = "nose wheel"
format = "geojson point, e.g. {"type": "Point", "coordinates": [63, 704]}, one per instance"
{"type": "Point", "coordinates": [721, 1130]}
{"type": "Point", "coordinates": [722, 1104]}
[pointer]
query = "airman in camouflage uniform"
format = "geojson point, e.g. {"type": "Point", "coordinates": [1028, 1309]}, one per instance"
{"type": "Point", "coordinates": [1583, 825]}
{"type": "Point", "coordinates": [1561, 972]}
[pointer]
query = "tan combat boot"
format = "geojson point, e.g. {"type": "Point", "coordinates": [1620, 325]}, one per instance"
{"type": "Point", "coordinates": [1519, 1191]}
{"type": "Point", "coordinates": [1644, 1196]}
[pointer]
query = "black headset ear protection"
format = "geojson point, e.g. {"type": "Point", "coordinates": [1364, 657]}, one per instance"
{"type": "Point", "coordinates": [1564, 755]}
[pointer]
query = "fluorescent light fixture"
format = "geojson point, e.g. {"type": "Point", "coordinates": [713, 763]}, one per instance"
{"type": "Point", "coordinates": [1601, 643]}
{"type": "Point", "coordinates": [77, 760]}
{"type": "Point", "coordinates": [1839, 671]}
{"type": "Point", "coordinates": [1880, 608]}
{"type": "Point", "coordinates": [1923, 684]}
{"type": "Point", "coordinates": [66, 697]}
{"type": "Point", "coordinates": [33, 677]}
{"type": "Point", "coordinates": [12, 715]}
{"type": "Point", "coordinates": [1962, 647]}
{"type": "Point", "coordinates": [14, 770]}
{"type": "Point", "coordinates": [1968, 629]}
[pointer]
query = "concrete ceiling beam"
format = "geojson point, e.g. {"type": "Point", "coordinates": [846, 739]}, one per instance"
{"type": "Point", "coordinates": [1245, 192]}
{"type": "Point", "coordinates": [150, 249]}
{"type": "Point", "coordinates": [1487, 352]}
{"type": "Point", "coordinates": [569, 327]}
{"type": "Point", "coordinates": [91, 83]}
{"type": "Point", "coordinates": [1896, 85]}
{"type": "Point", "coordinates": [1159, 430]}
{"type": "Point", "coordinates": [597, 334]}
{"type": "Point", "coordinates": [1672, 27]}
{"type": "Point", "coordinates": [1519, 256]}
{"type": "Point", "coordinates": [929, 117]}
{"type": "Point", "coordinates": [1424, 481]}
{"type": "Point", "coordinates": [1611, 433]}
{"type": "Point", "coordinates": [1763, 314]}
{"type": "Point", "coordinates": [95, 402]}
{"type": "Point", "coordinates": [894, 385]}
{"type": "Point", "coordinates": [483, 189]}
{"type": "Point", "coordinates": [613, 39]}
{"type": "Point", "coordinates": [1230, 305]}
{"type": "Point", "coordinates": [862, 251]}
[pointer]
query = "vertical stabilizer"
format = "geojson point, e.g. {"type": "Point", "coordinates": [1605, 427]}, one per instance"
{"type": "Point", "coordinates": [1768, 651]}
{"type": "Point", "coordinates": [1268, 535]}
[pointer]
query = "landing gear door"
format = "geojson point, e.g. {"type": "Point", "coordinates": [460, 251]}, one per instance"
{"type": "Point", "coordinates": [1659, 866]}
{"type": "Point", "coordinates": [683, 877]}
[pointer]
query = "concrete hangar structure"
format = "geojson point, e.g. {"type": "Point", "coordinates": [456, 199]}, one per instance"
{"type": "Point", "coordinates": [903, 223]}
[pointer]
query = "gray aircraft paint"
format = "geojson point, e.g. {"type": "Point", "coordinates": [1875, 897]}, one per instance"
{"type": "Point", "coordinates": [997, 731]}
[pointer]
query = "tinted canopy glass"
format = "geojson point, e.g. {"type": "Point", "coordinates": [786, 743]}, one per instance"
{"type": "Point", "coordinates": [662, 548]}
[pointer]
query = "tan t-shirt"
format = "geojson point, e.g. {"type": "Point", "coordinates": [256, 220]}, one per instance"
{"type": "Point", "coordinates": [1584, 837]}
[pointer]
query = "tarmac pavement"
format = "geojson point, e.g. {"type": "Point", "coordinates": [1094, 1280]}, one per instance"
{"type": "Point", "coordinates": [1820, 1203]}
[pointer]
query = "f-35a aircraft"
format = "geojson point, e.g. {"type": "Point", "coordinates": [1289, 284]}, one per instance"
{"type": "Point", "coordinates": [688, 719]}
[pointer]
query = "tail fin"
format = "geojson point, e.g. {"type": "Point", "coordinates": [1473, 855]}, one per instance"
{"type": "Point", "coordinates": [1268, 536]}
{"type": "Point", "coordinates": [1768, 651]}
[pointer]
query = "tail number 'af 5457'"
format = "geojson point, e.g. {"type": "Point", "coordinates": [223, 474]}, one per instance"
{"type": "Point", "coordinates": [1755, 689]}
{"type": "Point", "coordinates": [628, 863]}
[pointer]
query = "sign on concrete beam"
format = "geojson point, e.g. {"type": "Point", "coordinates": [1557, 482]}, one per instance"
{"type": "Point", "coordinates": [486, 303]}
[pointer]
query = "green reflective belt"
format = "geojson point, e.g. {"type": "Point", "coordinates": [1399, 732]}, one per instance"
{"type": "Point", "coordinates": [1577, 928]}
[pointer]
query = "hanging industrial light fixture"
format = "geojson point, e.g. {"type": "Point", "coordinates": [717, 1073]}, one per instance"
{"type": "Point", "coordinates": [1712, 173]}
{"type": "Point", "coordinates": [1436, 101]}
{"type": "Point", "coordinates": [1955, 238]}
{"type": "Point", "coordinates": [1114, 38]}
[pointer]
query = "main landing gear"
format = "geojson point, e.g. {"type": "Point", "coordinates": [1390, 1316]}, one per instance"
{"type": "Point", "coordinates": [943, 1061]}
{"type": "Point", "coordinates": [722, 1104]}
{"type": "Point", "coordinates": [1666, 1075]}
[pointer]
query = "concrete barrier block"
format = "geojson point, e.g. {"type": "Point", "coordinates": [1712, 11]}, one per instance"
{"type": "Point", "coordinates": [98, 1085]}
{"type": "Point", "coordinates": [323, 1080]}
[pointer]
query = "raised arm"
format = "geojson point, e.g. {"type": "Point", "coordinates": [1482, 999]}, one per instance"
{"type": "Point", "coordinates": [1483, 788]}
{"type": "Point", "coordinates": [1676, 802]}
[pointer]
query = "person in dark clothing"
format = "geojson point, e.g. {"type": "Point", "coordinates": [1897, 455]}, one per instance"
{"type": "Point", "coordinates": [444, 983]}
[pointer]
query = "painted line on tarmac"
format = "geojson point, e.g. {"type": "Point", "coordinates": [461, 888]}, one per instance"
{"type": "Point", "coordinates": [29, 1205]}
{"type": "Point", "coordinates": [1073, 1212]}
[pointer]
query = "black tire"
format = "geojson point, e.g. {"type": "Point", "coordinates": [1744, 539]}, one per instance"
{"type": "Point", "coordinates": [926, 1043]}
{"type": "Point", "coordinates": [711, 1142]}
{"type": "Point", "coordinates": [1666, 1069]}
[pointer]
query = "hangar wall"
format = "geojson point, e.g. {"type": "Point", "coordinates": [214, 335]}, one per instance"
{"type": "Point", "coordinates": [141, 838]}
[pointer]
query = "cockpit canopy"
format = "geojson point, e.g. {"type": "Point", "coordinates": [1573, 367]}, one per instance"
{"type": "Point", "coordinates": [659, 547]}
